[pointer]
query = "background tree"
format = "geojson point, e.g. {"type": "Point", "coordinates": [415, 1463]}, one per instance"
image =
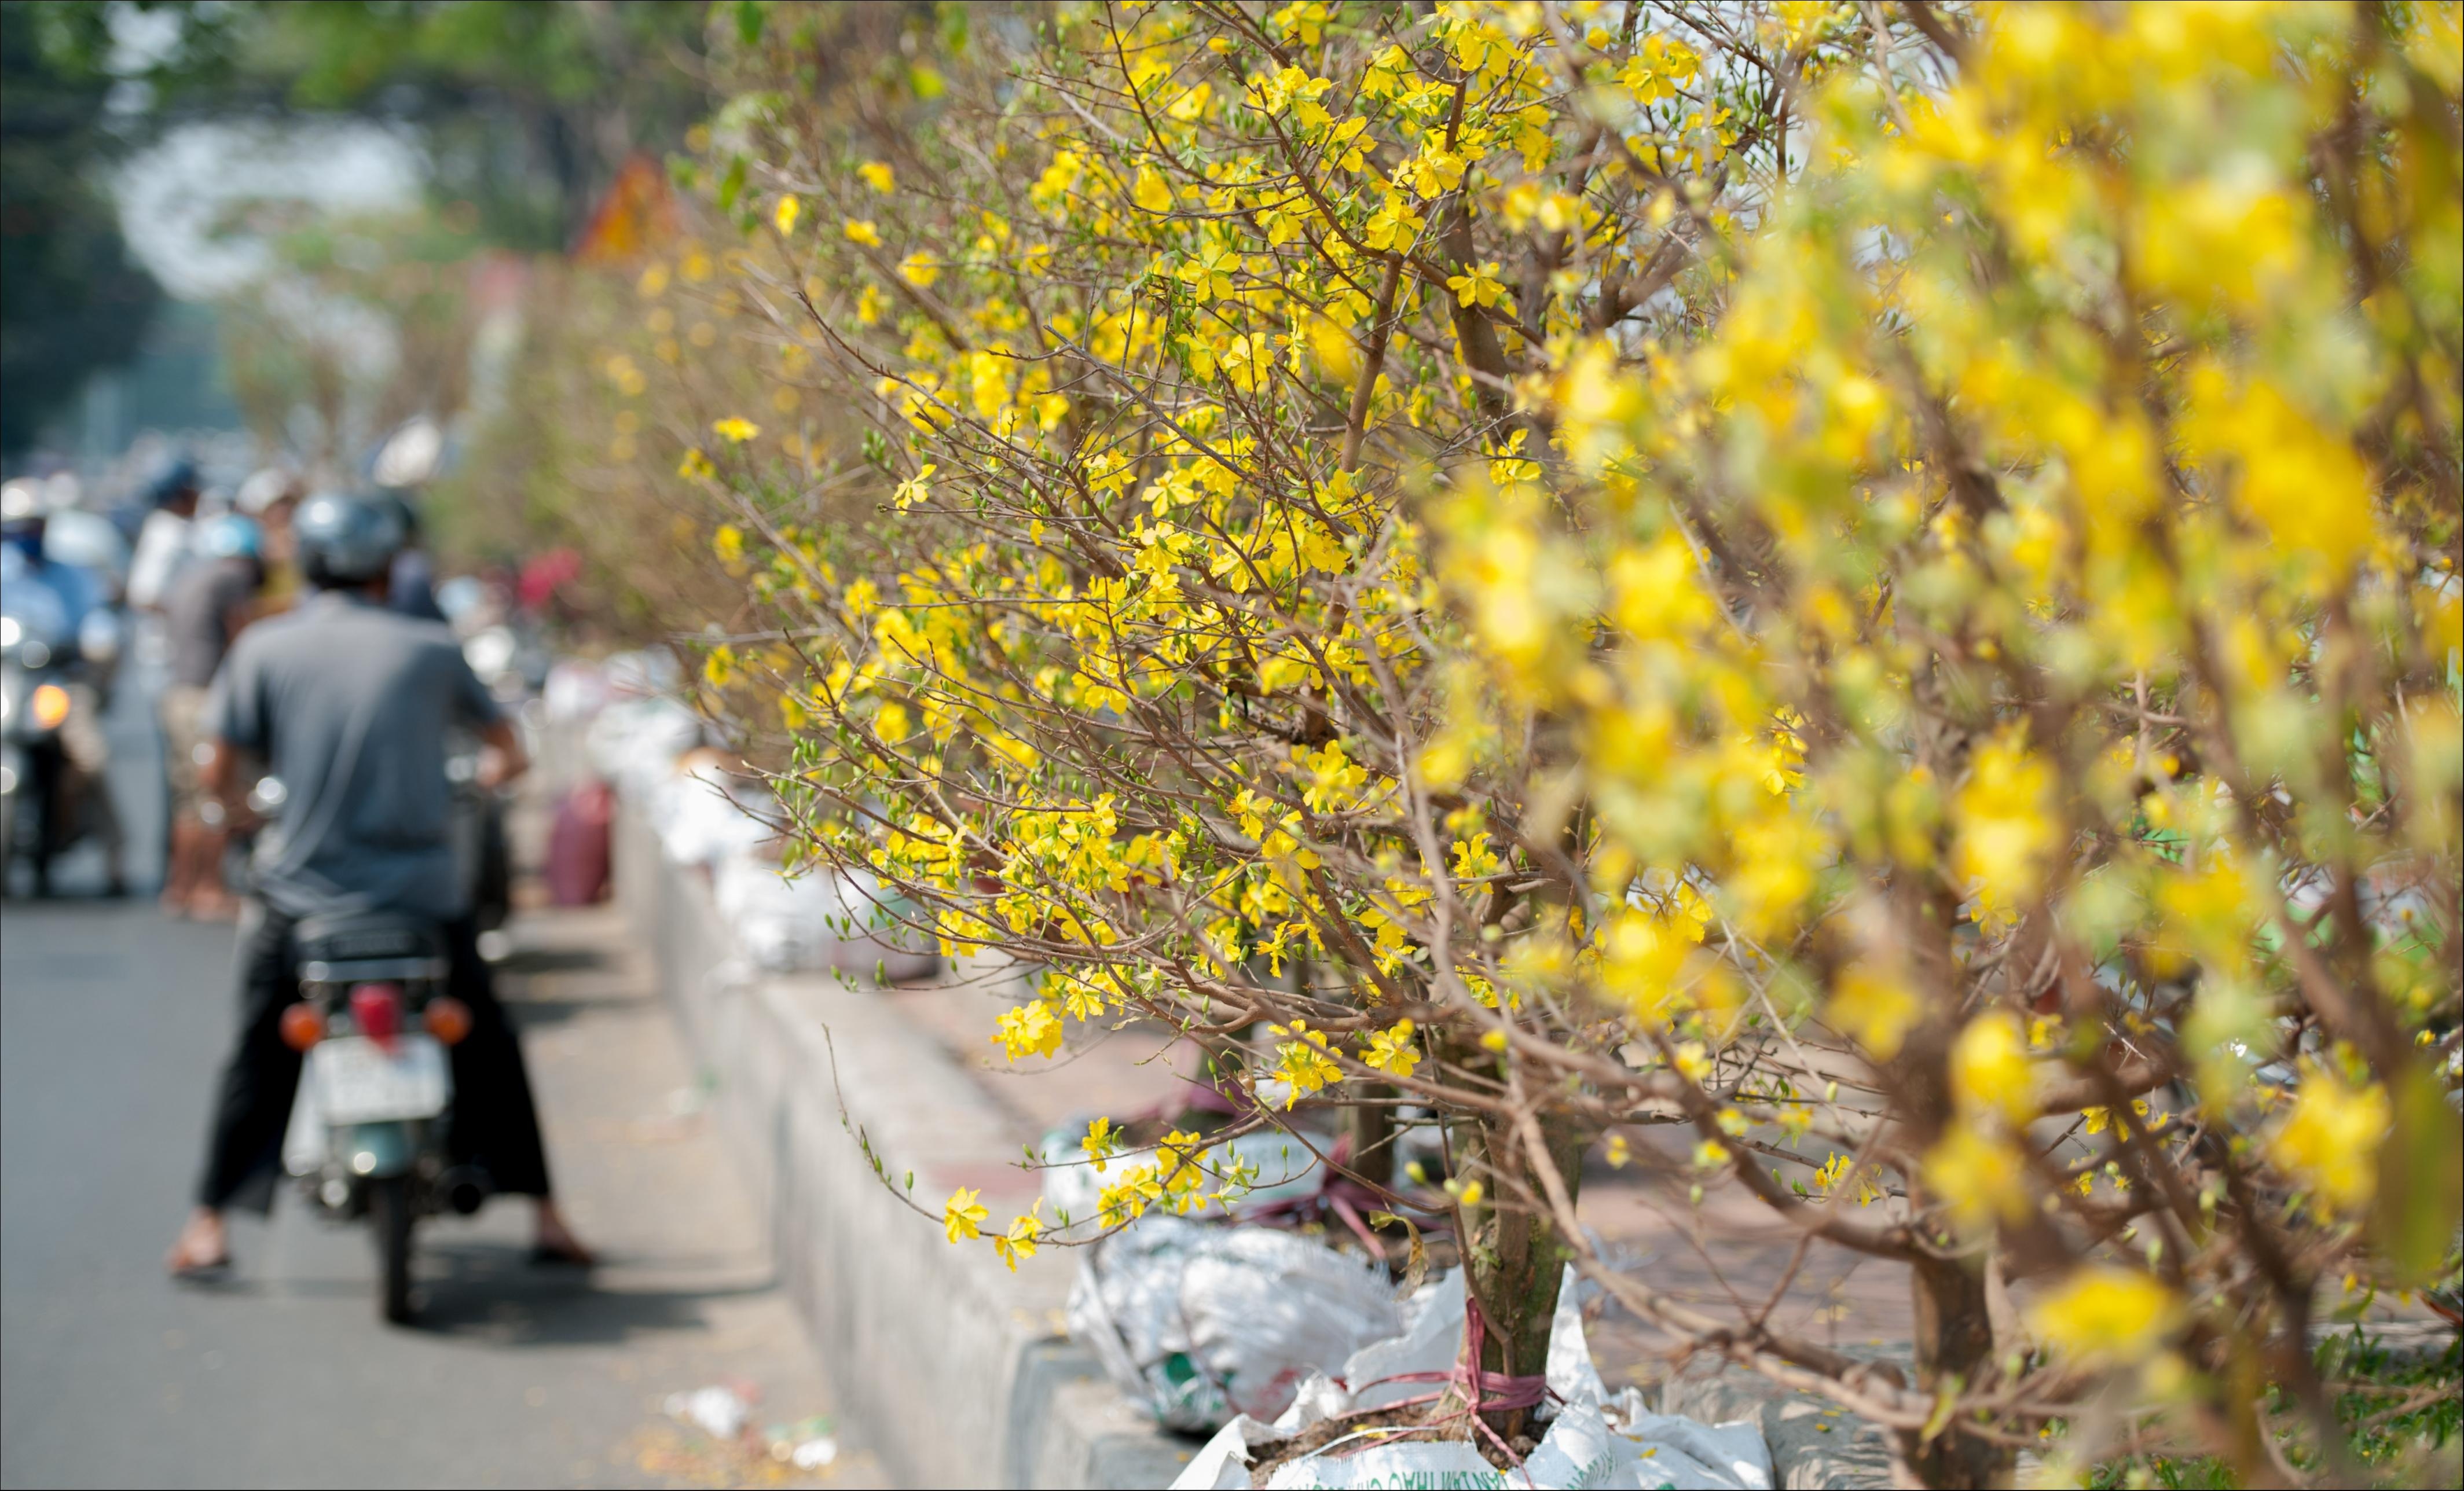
{"type": "Point", "coordinates": [526, 111]}
{"type": "Point", "coordinates": [70, 300]}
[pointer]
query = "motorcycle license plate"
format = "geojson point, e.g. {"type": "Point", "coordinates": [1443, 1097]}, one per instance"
{"type": "Point", "coordinates": [358, 1082]}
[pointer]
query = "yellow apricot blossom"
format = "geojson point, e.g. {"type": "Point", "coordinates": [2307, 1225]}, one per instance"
{"type": "Point", "coordinates": [2106, 1314]}
{"type": "Point", "coordinates": [2330, 1139]}
{"type": "Point", "coordinates": [963, 1214]}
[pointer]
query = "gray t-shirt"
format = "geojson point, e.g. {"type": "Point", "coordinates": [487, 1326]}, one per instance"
{"type": "Point", "coordinates": [350, 703]}
{"type": "Point", "coordinates": [196, 616]}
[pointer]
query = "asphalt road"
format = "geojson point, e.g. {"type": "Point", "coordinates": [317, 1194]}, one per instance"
{"type": "Point", "coordinates": [112, 1020]}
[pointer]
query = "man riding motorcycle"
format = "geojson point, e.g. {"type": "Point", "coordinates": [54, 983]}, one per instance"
{"type": "Point", "coordinates": [83, 656]}
{"type": "Point", "coordinates": [350, 703]}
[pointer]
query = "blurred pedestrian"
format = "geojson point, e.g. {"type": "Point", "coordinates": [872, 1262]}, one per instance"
{"type": "Point", "coordinates": [208, 605]}
{"type": "Point", "coordinates": [271, 497]}
{"type": "Point", "coordinates": [411, 587]}
{"type": "Point", "coordinates": [163, 539]}
{"type": "Point", "coordinates": [350, 703]}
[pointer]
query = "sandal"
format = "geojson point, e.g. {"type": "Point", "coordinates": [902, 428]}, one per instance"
{"type": "Point", "coordinates": [563, 1256]}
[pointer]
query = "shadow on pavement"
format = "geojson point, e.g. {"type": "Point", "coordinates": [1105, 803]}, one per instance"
{"type": "Point", "coordinates": [492, 1292]}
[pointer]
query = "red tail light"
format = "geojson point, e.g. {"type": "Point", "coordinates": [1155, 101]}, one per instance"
{"type": "Point", "coordinates": [376, 1010]}
{"type": "Point", "coordinates": [447, 1019]}
{"type": "Point", "coordinates": [302, 1026]}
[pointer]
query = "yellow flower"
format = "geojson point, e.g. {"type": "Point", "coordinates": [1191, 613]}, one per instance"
{"type": "Point", "coordinates": [1303, 1061]}
{"type": "Point", "coordinates": [1990, 1072]}
{"type": "Point", "coordinates": [962, 1217]}
{"type": "Point", "coordinates": [1979, 1176]}
{"type": "Point", "coordinates": [1020, 1241]}
{"type": "Point", "coordinates": [1834, 1173]}
{"type": "Point", "coordinates": [1617, 1152]}
{"type": "Point", "coordinates": [1392, 1050]}
{"type": "Point", "coordinates": [2005, 826]}
{"type": "Point", "coordinates": [1101, 1143]}
{"type": "Point", "coordinates": [735, 430]}
{"type": "Point", "coordinates": [1151, 192]}
{"type": "Point", "coordinates": [912, 490]}
{"type": "Point", "coordinates": [860, 229]}
{"type": "Point", "coordinates": [719, 667]}
{"type": "Point", "coordinates": [2115, 1316]}
{"type": "Point", "coordinates": [2331, 1138]}
{"type": "Point", "coordinates": [877, 176]}
{"type": "Point", "coordinates": [1877, 1012]}
{"type": "Point", "coordinates": [695, 465]}
{"type": "Point", "coordinates": [919, 269]}
{"type": "Point", "coordinates": [1477, 286]}
{"type": "Point", "coordinates": [1031, 1029]}
{"type": "Point", "coordinates": [784, 213]}
{"type": "Point", "coordinates": [727, 543]}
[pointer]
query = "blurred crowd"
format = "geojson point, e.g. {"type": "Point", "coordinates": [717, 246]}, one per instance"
{"type": "Point", "coordinates": [139, 578]}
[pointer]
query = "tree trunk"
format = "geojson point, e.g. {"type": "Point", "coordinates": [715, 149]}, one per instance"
{"type": "Point", "coordinates": [1954, 1345]}
{"type": "Point", "coordinates": [1371, 1129]}
{"type": "Point", "coordinates": [1513, 1258]}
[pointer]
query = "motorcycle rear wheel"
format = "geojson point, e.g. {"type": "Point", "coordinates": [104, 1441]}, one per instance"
{"type": "Point", "coordinates": [389, 1220]}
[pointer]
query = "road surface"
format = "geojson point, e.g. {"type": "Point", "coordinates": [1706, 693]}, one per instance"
{"type": "Point", "coordinates": [112, 1020]}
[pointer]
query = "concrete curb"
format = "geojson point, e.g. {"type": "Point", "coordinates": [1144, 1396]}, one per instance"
{"type": "Point", "coordinates": [954, 1371]}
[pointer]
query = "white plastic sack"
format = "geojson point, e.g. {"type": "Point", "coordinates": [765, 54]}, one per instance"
{"type": "Point", "coordinates": [1622, 1448]}
{"type": "Point", "coordinates": [1201, 1322]}
{"type": "Point", "coordinates": [817, 920]}
{"type": "Point", "coordinates": [1594, 1441]}
{"type": "Point", "coordinates": [1282, 1168]}
{"type": "Point", "coordinates": [704, 814]}
{"type": "Point", "coordinates": [634, 744]}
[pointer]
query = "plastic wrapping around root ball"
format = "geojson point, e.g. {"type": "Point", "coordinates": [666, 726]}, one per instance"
{"type": "Point", "coordinates": [1594, 1438]}
{"type": "Point", "coordinates": [1201, 1323]}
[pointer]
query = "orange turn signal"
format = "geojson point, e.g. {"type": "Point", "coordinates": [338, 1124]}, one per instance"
{"type": "Point", "coordinates": [302, 1026]}
{"type": "Point", "coordinates": [449, 1018]}
{"type": "Point", "coordinates": [50, 705]}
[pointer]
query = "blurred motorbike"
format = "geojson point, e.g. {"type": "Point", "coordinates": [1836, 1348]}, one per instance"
{"type": "Point", "coordinates": [38, 659]}
{"type": "Point", "coordinates": [367, 1136]}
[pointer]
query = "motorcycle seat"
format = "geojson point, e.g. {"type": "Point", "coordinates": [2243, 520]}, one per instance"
{"type": "Point", "coordinates": [364, 937]}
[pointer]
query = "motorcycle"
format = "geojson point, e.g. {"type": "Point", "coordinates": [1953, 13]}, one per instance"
{"type": "Point", "coordinates": [35, 703]}
{"type": "Point", "coordinates": [367, 1136]}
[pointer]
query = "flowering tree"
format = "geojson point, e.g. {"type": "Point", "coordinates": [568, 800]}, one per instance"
{"type": "Point", "coordinates": [1878, 585]}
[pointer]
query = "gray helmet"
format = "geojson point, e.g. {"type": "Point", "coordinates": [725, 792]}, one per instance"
{"type": "Point", "coordinates": [346, 540]}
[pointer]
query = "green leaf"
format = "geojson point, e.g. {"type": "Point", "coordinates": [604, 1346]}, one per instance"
{"type": "Point", "coordinates": [732, 185]}
{"type": "Point", "coordinates": [750, 17]}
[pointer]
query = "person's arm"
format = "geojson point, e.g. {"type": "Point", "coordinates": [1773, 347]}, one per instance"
{"type": "Point", "coordinates": [504, 758]}
{"type": "Point", "coordinates": [218, 774]}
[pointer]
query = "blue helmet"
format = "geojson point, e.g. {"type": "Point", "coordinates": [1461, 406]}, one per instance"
{"type": "Point", "coordinates": [229, 537]}
{"type": "Point", "coordinates": [346, 540]}
{"type": "Point", "coordinates": [174, 481]}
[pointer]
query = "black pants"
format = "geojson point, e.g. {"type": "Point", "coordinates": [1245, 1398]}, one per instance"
{"type": "Point", "coordinates": [492, 1123]}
